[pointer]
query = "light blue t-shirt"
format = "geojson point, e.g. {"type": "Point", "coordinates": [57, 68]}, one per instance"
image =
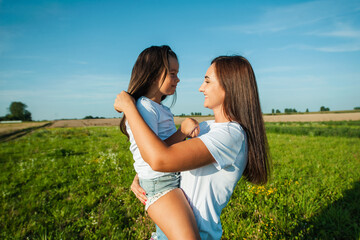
{"type": "Point", "coordinates": [161, 121]}
{"type": "Point", "coordinates": [210, 187]}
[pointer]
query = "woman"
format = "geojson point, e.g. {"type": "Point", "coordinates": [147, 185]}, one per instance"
{"type": "Point", "coordinates": [231, 146]}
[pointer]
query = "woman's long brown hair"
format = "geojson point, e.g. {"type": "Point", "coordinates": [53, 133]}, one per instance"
{"type": "Point", "coordinates": [242, 104]}
{"type": "Point", "coordinates": [151, 65]}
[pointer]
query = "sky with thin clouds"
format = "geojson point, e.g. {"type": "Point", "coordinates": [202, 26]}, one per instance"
{"type": "Point", "coordinates": [69, 59]}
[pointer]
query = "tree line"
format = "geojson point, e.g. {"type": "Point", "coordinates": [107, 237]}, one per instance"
{"type": "Point", "coordinates": [192, 114]}
{"type": "Point", "coordinates": [293, 110]}
{"type": "Point", "coordinates": [18, 111]}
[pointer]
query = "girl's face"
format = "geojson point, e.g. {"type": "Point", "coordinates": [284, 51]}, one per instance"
{"type": "Point", "coordinates": [168, 87]}
{"type": "Point", "coordinates": [213, 92]}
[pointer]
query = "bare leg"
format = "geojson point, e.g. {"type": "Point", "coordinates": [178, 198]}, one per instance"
{"type": "Point", "coordinates": [173, 214]}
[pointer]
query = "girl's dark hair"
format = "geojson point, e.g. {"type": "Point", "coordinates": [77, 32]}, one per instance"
{"type": "Point", "coordinates": [151, 65]}
{"type": "Point", "coordinates": [242, 104]}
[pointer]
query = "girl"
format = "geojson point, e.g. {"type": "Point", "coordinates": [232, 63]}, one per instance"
{"type": "Point", "coordinates": [232, 145]}
{"type": "Point", "coordinates": [153, 78]}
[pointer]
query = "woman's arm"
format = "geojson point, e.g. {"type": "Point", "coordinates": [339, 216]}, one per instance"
{"type": "Point", "coordinates": [181, 156]}
{"type": "Point", "coordinates": [138, 190]}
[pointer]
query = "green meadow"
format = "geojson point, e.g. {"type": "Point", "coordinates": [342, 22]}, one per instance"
{"type": "Point", "coordinates": [74, 183]}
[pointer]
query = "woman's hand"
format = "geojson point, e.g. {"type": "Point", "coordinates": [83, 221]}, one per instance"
{"type": "Point", "coordinates": [138, 191]}
{"type": "Point", "coordinates": [123, 101]}
{"type": "Point", "coordinates": [190, 127]}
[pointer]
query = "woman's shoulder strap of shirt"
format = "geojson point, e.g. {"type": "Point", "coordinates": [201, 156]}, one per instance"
{"type": "Point", "coordinates": [224, 141]}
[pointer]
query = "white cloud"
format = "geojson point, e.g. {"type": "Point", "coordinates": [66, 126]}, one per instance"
{"type": "Point", "coordinates": [59, 95]}
{"type": "Point", "coordinates": [84, 88]}
{"type": "Point", "coordinates": [5, 37]}
{"type": "Point", "coordinates": [342, 33]}
{"type": "Point", "coordinates": [95, 81]}
{"type": "Point", "coordinates": [340, 29]}
{"type": "Point", "coordinates": [348, 47]}
{"type": "Point", "coordinates": [278, 19]}
{"type": "Point", "coordinates": [78, 62]}
{"type": "Point", "coordinates": [292, 46]}
{"type": "Point", "coordinates": [339, 48]}
{"type": "Point", "coordinates": [279, 69]}
{"type": "Point", "coordinates": [15, 73]}
{"type": "Point", "coordinates": [270, 83]}
{"type": "Point", "coordinates": [28, 57]}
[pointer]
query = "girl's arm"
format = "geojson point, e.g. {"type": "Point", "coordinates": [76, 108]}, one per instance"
{"type": "Point", "coordinates": [178, 136]}
{"type": "Point", "coordinates": [188, 128]}
{"type": "Point", "coordinates": [181, 156]}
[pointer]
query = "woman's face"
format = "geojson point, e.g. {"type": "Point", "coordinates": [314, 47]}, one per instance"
{"type": "Point", "coordinates": [213, 92]}
{"type": "Point", "coordinates": [168, 87]}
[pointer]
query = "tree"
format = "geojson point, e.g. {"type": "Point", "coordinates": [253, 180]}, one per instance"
{"type": "Point", "coordinates": [356, 108]}
{"type": "Point", "coordinates": [272, 111]}
{"type": "Point", "coordinates": [278, 111]}
{"type": "Point", "coordinates": [18, 112]}
{"type": "Point", "coordinates": [290, 110]}
{"type": "Point", "coordinates": [307, 110]}
{"type": "Point", "coordinates": [324, 109]}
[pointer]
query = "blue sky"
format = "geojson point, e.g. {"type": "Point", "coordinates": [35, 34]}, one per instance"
{"type": "Point", "coordinates": [69, 59]}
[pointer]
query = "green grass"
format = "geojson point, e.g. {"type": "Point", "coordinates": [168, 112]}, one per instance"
{"type": "Point", "coordinates": [336, 129]}
{"type": "Point", "coordinates": [69, 184]}
{"type": "Point", "coordinates": [74, 184]}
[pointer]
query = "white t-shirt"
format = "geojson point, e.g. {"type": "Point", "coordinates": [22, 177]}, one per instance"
{"type": "Point", "coordinates": [160, 119]}
{"type": "Point", "coordinates": [209, 188]}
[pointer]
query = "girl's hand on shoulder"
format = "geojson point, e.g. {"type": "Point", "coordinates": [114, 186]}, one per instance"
{"type": "Point", "coordinates": [190, 127]}
{"type": "Point", "coordinates": [138, 190]}
{"type": "Point", "coordinates": [123, 101]}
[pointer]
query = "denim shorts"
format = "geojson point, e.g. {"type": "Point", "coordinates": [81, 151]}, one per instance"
{"type": "Point", "coordinates": [158, 187]}
{"type": "Point", "coordinates": [160, 234]}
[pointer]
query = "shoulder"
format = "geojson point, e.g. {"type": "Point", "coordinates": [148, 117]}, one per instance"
{"type": "Point", "coordinates": [234, 127]}
{"type": "Point", "coordinates": [228, 128]}
{"type": "Point", "coordinates": [145, 102]}
{"type": "Point", "coordinates": [146, 106]}
{"type": "Point", "coordinates": [229, 134]}
{"type": "Point", "coordinates": [224, 141]}
{"type": "Point", "coordinates": [233, 130]}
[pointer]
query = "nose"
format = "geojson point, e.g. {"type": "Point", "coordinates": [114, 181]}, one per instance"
{"type": "Point", "coordinates": [201, 89]}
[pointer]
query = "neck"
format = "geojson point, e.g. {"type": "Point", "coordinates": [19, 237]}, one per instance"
{"type": "Point", "coordinates": [219, 115]}
{"type": "Point", "coordinates": [154, 97]}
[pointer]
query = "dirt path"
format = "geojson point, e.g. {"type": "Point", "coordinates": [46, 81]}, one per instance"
{"type": "Point", "coordinates": [16, 130]}
{"type": "Point", "coordinates": [6, 128]}
{"type": "Point", "coordinates": [86, 122]}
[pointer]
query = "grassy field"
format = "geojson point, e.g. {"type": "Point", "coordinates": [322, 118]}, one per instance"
{"type": "Point", "coordinates": [73, 183]}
